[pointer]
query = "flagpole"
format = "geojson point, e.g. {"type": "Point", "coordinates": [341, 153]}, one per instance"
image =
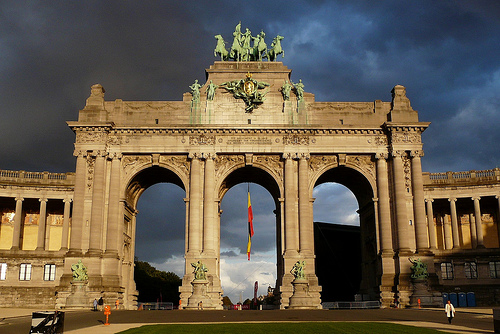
{"type": "Point", "coordinates": [250, 223]}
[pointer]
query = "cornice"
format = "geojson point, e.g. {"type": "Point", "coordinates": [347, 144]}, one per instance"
{"type": "Point", "coordinates": [245, 130]}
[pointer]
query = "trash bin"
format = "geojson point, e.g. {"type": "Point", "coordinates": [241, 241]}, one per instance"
{"type": "Point", "coordinates": [47, 322]}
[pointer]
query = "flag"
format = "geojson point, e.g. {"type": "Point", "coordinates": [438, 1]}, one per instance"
{"type": "Point", "coordinates": [250, 226]}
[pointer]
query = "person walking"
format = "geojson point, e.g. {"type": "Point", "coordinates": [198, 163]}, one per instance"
{"type": "Point", "coordinates": [95, 304]}
{"type": "Point", "coordinates": [101, 303]}
{"type": "Point", "coordinates": [449, 310]}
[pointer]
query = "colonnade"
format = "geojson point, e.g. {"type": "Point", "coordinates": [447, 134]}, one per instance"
{"type": "Point", "coordinates": [42, 239]}
{"type": "Point", "coordinates": [450, 230]}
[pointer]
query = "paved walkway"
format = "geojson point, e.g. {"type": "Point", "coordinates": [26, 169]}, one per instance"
{"type": "Point", "coordinates": [469, 320]}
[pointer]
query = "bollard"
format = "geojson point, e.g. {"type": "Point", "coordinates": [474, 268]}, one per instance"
{"type": "Point", "coordinates": [107, 312]}
{"type": "Point", "coordinates": [418, 301]}
{"type": "Point", "coordinates": [496, 320]}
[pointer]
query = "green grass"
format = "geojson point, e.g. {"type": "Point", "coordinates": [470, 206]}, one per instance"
{"type": "Point", "coordinates": [284, 327]}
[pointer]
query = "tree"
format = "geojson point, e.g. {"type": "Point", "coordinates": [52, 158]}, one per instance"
{"type": "Point", "coordinates": [226, 301]}
{"type": "Point", "coordinates": [155, 285]}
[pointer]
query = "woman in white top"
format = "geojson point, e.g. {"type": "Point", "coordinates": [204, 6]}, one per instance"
{"type": "Point", "coordinates": [449, 310]}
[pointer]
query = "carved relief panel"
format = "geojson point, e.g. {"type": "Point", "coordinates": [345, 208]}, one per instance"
{"type": "Point", "coordinates": [272, 163]}
{"type": "Point", "coordinates": [364, 163]}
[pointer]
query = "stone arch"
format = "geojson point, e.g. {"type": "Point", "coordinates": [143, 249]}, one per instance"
{"type": "Point", "coordinates": [272, 172]}
{"type": "Point", "coordinates": [173, 169]}
{"type": "Point", "coordinates": [321, 164]}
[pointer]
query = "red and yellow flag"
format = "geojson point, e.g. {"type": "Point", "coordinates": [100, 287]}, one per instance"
{"type": "Point", "coordinates": [250, 226]}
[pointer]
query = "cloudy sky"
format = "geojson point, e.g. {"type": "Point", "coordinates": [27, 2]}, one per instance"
{"type": "Point", "coordinates": [446, 53]}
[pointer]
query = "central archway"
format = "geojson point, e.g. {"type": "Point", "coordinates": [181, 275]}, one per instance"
{"type": "Point", "coordinates": [238, 273]}
{"type": "Point", "coordinates": [262, 188]}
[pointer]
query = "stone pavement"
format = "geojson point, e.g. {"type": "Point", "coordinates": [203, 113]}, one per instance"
{"type": "Point", "coordinates": [468, 320]}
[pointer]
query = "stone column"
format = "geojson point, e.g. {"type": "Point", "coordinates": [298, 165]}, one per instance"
{"type": "Point", "coordinates": [114, 237]}
{"type": "Point", "coordinates": [291, 232]}
{"type": "Point", "coordinates": [448, 242]}
{"type": "Point", "coordinates": [76, 237]}
{"type": "Point", "coordinates": [454, 223]}
{"type": "Point", "coordinates": [430, 222]}
{"type": "Point", "coordinates": [42, 224]}
{"type": "Point", "coordinates": [419, 202]}
{"type": "Point", "coordinates": [384, 206]}
{"type": "Point", "coordinates": [472, 227]}
{"type": "Point", "coordinates": [306, 228]}
{"type": "Point", "coordinates": [400, 192]}
{"type": "Point", "coordinates": [194, 223]}
{"type": "Point", "coordinates": [97, 215]}
{"type": "Point", "coordinates": [479, 225]}
{"type": "Point", "coordinates": [18, 218]}
{"type": "Point", "coordinates": [65, 228]}
{"type": "Point", "coordinates": [385, 232]}
{"type": "Point", "coordinates": [209, 207]}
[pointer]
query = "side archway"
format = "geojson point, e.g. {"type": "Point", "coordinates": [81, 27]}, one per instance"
{"type": "Point", "coordinates": [360, 183]}
{"type": "Point", "coordinates": [134, 188]}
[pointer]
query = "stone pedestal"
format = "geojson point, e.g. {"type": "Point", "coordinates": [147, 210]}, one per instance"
{"type": "Point", "coordinates": [421, 291]}
{"type": "Point", "coordinates": [78, 297]}
{"type": "Point", "coordinates": [301, 298]}
{"type": "Point", "coordinates": [199, 299]}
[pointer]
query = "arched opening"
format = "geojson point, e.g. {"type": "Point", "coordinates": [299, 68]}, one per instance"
{"type": "Point", "coordinates": [238, 274]}
{"type": "Point", "coordinates": [345, 235]}
{"type": "Point", "coordinates": [156, 219]}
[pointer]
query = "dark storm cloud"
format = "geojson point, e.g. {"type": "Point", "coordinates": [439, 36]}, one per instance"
{"type": "Point", "coordinates": [160, 226]}
{"type": "Point", "coordinates": [444, 52]}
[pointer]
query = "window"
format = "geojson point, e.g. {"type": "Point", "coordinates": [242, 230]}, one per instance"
{"type": "Point", "coordinates": [3, 271]}
{"type": "Point", "coordinates": [447, 270]}
{"type": "Point", "coordinates": [25, 272]}
{"type": "Point", "coordinates": [495, 269]}
{"type": "Point", "coordinates": [49, 272]}
{"type": "Point", "coordinates": [470, 269]}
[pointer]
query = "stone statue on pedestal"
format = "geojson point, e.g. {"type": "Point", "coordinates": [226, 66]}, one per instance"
{"type": "Point", "coordinates": [195, 91]}
{"type": "Point", "coordinates": [418, 269]}
{"type": "Point", "coordinates": [298, 270]}
{"type": "Point", "coordinates": [199, 271]}
{"type": "Point", "coordinates": [79, 271]}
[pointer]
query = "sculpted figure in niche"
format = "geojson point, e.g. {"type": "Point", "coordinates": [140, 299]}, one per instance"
{"type": "Point", "coordinates": [299, 90]}
{"type": "Point", "coordinates": [195, 91]}
{"type": "Point", "coordinates": [211, 91]}
{"type": "Point", "coordinates": [285, 90]}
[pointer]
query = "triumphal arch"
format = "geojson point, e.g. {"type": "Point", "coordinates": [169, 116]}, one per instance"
{"type": "Point", "coordinates": [247, 123]}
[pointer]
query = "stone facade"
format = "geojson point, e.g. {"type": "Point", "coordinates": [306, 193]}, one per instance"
{"type": "Point", "coordinates": [207, 146]}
